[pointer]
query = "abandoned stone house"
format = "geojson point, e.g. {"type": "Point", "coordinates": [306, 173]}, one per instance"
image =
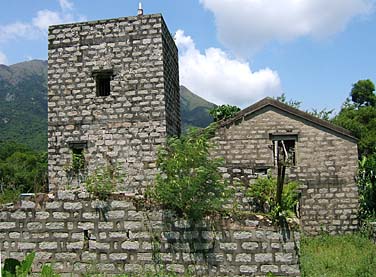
{"type": "Point", "coordinates": [113, 91]}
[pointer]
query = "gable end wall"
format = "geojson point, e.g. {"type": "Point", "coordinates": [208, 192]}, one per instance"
{"type": "Point", "coordinates": [326, 165]}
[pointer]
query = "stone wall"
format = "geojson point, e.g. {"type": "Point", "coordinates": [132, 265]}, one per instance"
{"type": "Point", "coordinates": [77, 234]}
{"type": "Point", "coordinates": [127, 126]}
{"type": "Point", "coordinates": [326, 164]}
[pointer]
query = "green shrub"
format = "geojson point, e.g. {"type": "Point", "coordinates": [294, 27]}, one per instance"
{"type": "Point", "coordinates": [189, 181]}
{"type": "Point", "coordinates": [102, 182]}
{"type": "Point", "coordinates": [366, 180]}
{"type": "Point", "coordinates": [14, 268]}
{"type": "Point", "coordinates": [263, 195]}
{"type": "Point", "coordinates": [223, 112]}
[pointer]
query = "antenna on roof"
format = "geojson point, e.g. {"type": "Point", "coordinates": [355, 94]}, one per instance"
{"type": "Point", "coordinates": [140, 10]}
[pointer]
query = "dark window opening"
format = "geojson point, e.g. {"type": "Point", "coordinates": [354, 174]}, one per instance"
{"type": "Point", "coordinates": [103, 82]}
{"type": "Point", "coordinates": [284, 149]}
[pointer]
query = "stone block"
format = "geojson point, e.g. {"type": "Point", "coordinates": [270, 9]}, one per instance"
{"type": "Point", "coordinates": [264, 257]}
{"type": "Point", "coordinates": [130, 245]}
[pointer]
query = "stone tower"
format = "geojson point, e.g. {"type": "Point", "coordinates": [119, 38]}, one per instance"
{"type": "Point", "coordinates": [113, 96]}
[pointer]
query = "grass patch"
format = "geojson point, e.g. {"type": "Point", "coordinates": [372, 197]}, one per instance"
{"type": "Point", "coordinates": [342, 256]}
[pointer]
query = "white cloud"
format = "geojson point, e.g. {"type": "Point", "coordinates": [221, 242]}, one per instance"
{"type": "Point", "coordinates": [46, 18]}
{"type": "Point", "coordinates": [3, 58]}
{"type": "Point", "coordinates": [39, 24]}
{"type": "Point", "coordinates": [16, 30]}
{"type": "Point", "coordinates": [247, 25]}
{"type": "Point", "coordinates": [66, 5]}
{"type": "Point", "coordinates": [220, 79]}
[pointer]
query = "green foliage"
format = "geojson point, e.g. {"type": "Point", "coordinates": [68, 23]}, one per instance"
{"type": "Point", "coordinates": [292, 103]}
{"type": "Point", "coordinates": [189, 181]}
{"type": "Point", "coordinates": [102, 182]}
{"type": "Point", "coordinates": [359, 116]}
{"type": "Point", "coordinates": [10, 266]}
{"type": "Point", "coordinates": [76, 170]}
{"type": "Point", "coordinates": [223, 112]}
{"type": "Point", "coordinates": [25, 267]}
{"type": "Point", "coordinates": [21, 170]}
{"type": "Point", "coordinates": [323, 114]}
{"type": "Point", "coordinates": [14, 268]}
{"type": "Point", "coordinates": [362, 93]}
{"type": "Point", "coordinates": [362, 123]}
{"type": "Point", "coordinates": [337, 256]}
{"type": "Point", "coordinates": [367, 186]}
{"type": "Point", "coordinates": [47, 271]}
{"type": "Point", "coordinates": [263, 194]}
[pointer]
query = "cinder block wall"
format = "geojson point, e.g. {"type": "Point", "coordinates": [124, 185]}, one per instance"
{"type": "Point", "coordinates": [78, 234]}
{"type": "Point", "coordinates": [143, 106]}
{"type": "Point", "coordinates": [326, 165]}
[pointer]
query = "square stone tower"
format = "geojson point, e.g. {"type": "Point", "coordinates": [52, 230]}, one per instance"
{"type": "Point", "coordinates": [113, 97]}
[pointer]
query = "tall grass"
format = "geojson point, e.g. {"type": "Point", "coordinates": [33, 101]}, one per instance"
{"type": "Point", "coordinates": [338, 256]}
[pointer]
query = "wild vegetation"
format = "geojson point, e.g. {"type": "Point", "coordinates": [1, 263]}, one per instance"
{"type": "Point", "coordinates": [338, 256]}
{"type": "Point", "coordinates": [189, 181]}
{"type": "Point", "coordinates": [263, 195]}
{"type": "Point", "coordinates": [223, 112]}
{"type": "Point", "coordinates": [358, 114]}
{"type": "Point", "coordinates": [21, 170]}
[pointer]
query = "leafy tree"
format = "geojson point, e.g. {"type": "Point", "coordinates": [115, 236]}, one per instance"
{"type": "Point", "coordinates": [362, 93]}
{"type": "Point", "coordinates": [189, 181]}
{"type": "Point", "coordinates": [21, 170]}
{"type": "Point", "coordinates": [358, 114]}
{"type": "Point", "coordinates": [223, 112]}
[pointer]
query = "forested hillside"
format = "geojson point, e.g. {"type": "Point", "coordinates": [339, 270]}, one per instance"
{"type": "Point", "coordinates": [23, 103]}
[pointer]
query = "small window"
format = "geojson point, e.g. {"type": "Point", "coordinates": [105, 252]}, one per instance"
{"type": "Point", "coordinates": [284, 149]}
{"type": "Point", "coordinates": [103, 82]}
{"type": "Point", "coordinates": [78, 164]}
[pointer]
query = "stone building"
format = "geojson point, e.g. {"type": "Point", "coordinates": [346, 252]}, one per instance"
{"type": "Point", "coordinates": [113, 96]}
{"type": "Point", "coordinates": [323, 159]}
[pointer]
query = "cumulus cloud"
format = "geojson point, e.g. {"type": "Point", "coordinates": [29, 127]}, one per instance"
{"type": "Point", "coordinates": [3, 58]}
{"type": "Point", "coordinates": [221, 79]}
{"type": "Point", "coordinates": [39, 24]}
{"type": "Point", "coordinates": [247, 25]}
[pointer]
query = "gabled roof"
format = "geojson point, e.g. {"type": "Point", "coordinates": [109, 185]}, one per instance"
{"type": "Point", "coordinates": [270, 102]}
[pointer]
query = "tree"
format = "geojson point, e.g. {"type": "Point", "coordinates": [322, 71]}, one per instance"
{"type": "Point", "coordinates": [223, 112]}
{"type": "Point", "coordinates": [362, 93]}
{"type": "Point", "coordinates": [22, 169]}
{"type": "Point", "coordinates": [358, 114]}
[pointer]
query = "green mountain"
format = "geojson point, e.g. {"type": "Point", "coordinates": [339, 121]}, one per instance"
{"type": "Point", "coordinates": [23, 105]}
{"type": "Point", "coordinates": [194, 110]}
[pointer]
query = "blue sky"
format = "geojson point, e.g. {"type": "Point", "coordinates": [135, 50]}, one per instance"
{"type": "Point", "coordinates": [231, 51]}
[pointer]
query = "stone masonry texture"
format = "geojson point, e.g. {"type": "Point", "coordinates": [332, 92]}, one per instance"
{"type": "Point", "coordinates": [127, 126]}
{"type": "Point", "coordinates": [78, 235]}
{"type": "Point", "coordinates": [326, 165]}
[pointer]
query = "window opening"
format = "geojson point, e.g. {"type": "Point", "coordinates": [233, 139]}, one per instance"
{"type": "Point", "coordinates": [103, 82]}
{"type": "Point", "coordinates": [77, 169]}
{"type": "Point", "coordinates": [284, 149]}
